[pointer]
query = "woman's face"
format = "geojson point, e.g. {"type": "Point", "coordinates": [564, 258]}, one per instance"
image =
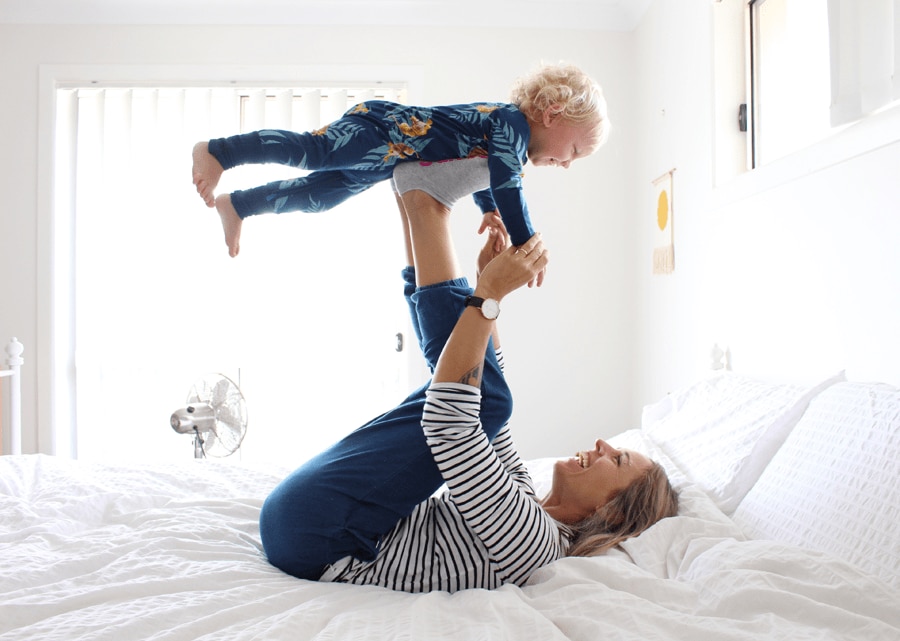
{"type": "Point", "coordinates": [592, 477]}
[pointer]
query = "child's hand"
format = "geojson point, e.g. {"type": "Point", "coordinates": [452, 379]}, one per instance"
{"type": "Point", "coordinates": [492, 222]}
{"type": "Point", "coordinates": [496, 242]}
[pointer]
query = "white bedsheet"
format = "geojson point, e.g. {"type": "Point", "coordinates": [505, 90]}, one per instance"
{"type": "Point", "coordinates": [173, 553]}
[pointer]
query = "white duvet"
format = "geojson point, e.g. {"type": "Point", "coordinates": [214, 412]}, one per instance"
{"type": "Point", "coordinates": [173, 552]}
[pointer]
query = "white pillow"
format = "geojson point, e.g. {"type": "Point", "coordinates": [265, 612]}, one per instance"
{"type": "Point", "coordinates": [660, 548]}
{"type": "Point", "coordinates": [663, 548]}
{"type": "Point", "coordinates": [835, 483]}
{"type": "Point", "coordinates": [721, 432]}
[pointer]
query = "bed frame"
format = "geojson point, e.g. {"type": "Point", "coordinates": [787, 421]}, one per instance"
{"type": "Point", "coordinates": [13, 372]}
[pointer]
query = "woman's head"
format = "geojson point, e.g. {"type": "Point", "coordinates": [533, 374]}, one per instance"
{"type": "Point", "coordinates": [607, 495]}
{"type": "Point", "coordinates": [564, 92]}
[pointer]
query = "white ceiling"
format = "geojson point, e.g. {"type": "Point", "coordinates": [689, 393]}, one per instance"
{"type": "Point", "coordinates": [611, 15]}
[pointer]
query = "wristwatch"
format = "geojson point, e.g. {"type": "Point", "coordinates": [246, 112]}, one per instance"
{"type": "Point", "coordinates": [490, 308]}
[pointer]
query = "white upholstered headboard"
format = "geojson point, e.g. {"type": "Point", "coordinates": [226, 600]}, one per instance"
{"type": "Point", "coordinates": [13, 365]}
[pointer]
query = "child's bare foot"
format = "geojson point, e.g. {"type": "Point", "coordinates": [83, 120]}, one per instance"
{"type": "Point", "coordinates": [231, 223]}
{"type": "Point", "coordinates": [205, 172]}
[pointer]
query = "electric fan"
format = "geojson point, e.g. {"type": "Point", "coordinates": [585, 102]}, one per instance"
{"type": "Point", "coordinates": [215, 414]}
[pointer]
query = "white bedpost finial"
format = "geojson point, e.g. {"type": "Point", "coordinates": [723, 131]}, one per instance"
{"type": "Point", "coordinates": [15, 361]}
{"type": "Point", "coordinates": [15, 349]}
{"type": "Point", "coordinates": [717, 358]}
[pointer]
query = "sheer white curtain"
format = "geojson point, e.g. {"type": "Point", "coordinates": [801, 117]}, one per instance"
{"type": "Point", "coordinates": [865, 57]}
{"type": "Point", "coordinates": [304, 319]}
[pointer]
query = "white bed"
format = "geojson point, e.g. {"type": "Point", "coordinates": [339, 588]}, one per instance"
{"type": "Point", "coordinates": [172, 552]}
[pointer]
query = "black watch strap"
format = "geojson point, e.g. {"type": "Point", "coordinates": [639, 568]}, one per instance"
{"type": "Point", "coordinates": [490, 308]}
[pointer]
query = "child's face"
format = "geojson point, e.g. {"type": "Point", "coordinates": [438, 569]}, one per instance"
{"type": "Point", "coordinates": [556, 142]}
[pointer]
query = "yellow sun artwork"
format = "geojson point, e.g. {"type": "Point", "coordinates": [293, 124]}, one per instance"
{"type": "Point", "coordinates": [662, 210]}
{"type": "Point", "coordinates": [664, 244]}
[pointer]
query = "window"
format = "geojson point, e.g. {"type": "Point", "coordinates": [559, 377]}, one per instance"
{"type": "Point", "coordinates": [790, 84]}
{"type": "Point", "coordinates": [304, 319]}
{"type": "Point", "coordinates": [800, 85]}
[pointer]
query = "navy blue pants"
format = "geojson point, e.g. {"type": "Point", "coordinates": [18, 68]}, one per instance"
{"type": "Point", "coordinates": [343, 501]}
{"type": "Point", "coordinates": [340, 171]}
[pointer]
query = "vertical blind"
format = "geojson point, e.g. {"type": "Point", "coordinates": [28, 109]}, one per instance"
{"type": "Point", "coordinates": [305, 318]}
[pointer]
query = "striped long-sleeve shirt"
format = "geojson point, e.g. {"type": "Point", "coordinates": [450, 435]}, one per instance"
{"type": "Point", "coordinates": [486, 529]}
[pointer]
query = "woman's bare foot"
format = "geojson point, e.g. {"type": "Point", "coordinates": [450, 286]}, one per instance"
{"type": "Point", "coordinates": [231, 223]}
{"type": "Point", "coordinates": [205, 172]}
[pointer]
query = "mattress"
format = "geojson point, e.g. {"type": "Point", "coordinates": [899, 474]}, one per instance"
{"type": "Point", "coordinates": [172, 552]}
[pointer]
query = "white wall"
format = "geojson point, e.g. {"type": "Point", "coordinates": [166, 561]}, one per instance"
{"type": "Point", "coordinates": [569, 346]}
{"type": "Point", "coordinates": [793, 268]}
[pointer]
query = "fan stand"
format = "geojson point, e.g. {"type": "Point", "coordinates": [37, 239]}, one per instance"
{"type": "Point", "coordinates": [199, 452]}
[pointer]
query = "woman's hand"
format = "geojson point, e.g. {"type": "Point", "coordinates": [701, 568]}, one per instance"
{"type": "Point", "coordinates": [498, 240]}
{"type": "Point", "coordinates": [462, 359]}
{"type": "Point", "coordinates": [512, 268]}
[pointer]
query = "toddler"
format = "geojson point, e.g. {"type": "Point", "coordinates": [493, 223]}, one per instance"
{"type": "Point", "coordinates": [555, 116]}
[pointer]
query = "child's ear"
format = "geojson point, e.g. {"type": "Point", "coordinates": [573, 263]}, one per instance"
{"type": "Point", "coordinates": [551, 113]}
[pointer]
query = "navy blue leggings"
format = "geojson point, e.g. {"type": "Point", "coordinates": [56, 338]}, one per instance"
{"type": "Point", "coordinates": [344, 500]}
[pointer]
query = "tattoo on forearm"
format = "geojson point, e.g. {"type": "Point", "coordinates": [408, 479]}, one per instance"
{"type": "Point", "coordinates": [472, 377]}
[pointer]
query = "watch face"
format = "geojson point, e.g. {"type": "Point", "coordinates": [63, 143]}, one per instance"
{"type": "Point", "coordinates": [490, 308]}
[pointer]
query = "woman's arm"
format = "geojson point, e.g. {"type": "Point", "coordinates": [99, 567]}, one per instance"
{"type": "Point", "coordinates": [462, 358]}
{"type": "Point", "coordinates": [495, 243]}
{"type": "Point", "coordinates": [508, 456]}
{"type": "Point", "coordinates": [500, 509]}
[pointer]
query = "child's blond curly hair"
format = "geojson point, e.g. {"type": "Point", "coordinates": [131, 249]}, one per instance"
{"type": "Point", "coordinates": [566, 90]}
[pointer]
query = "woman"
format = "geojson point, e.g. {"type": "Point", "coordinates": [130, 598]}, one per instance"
{"type": "Point", "coordinates": [365, 511]}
